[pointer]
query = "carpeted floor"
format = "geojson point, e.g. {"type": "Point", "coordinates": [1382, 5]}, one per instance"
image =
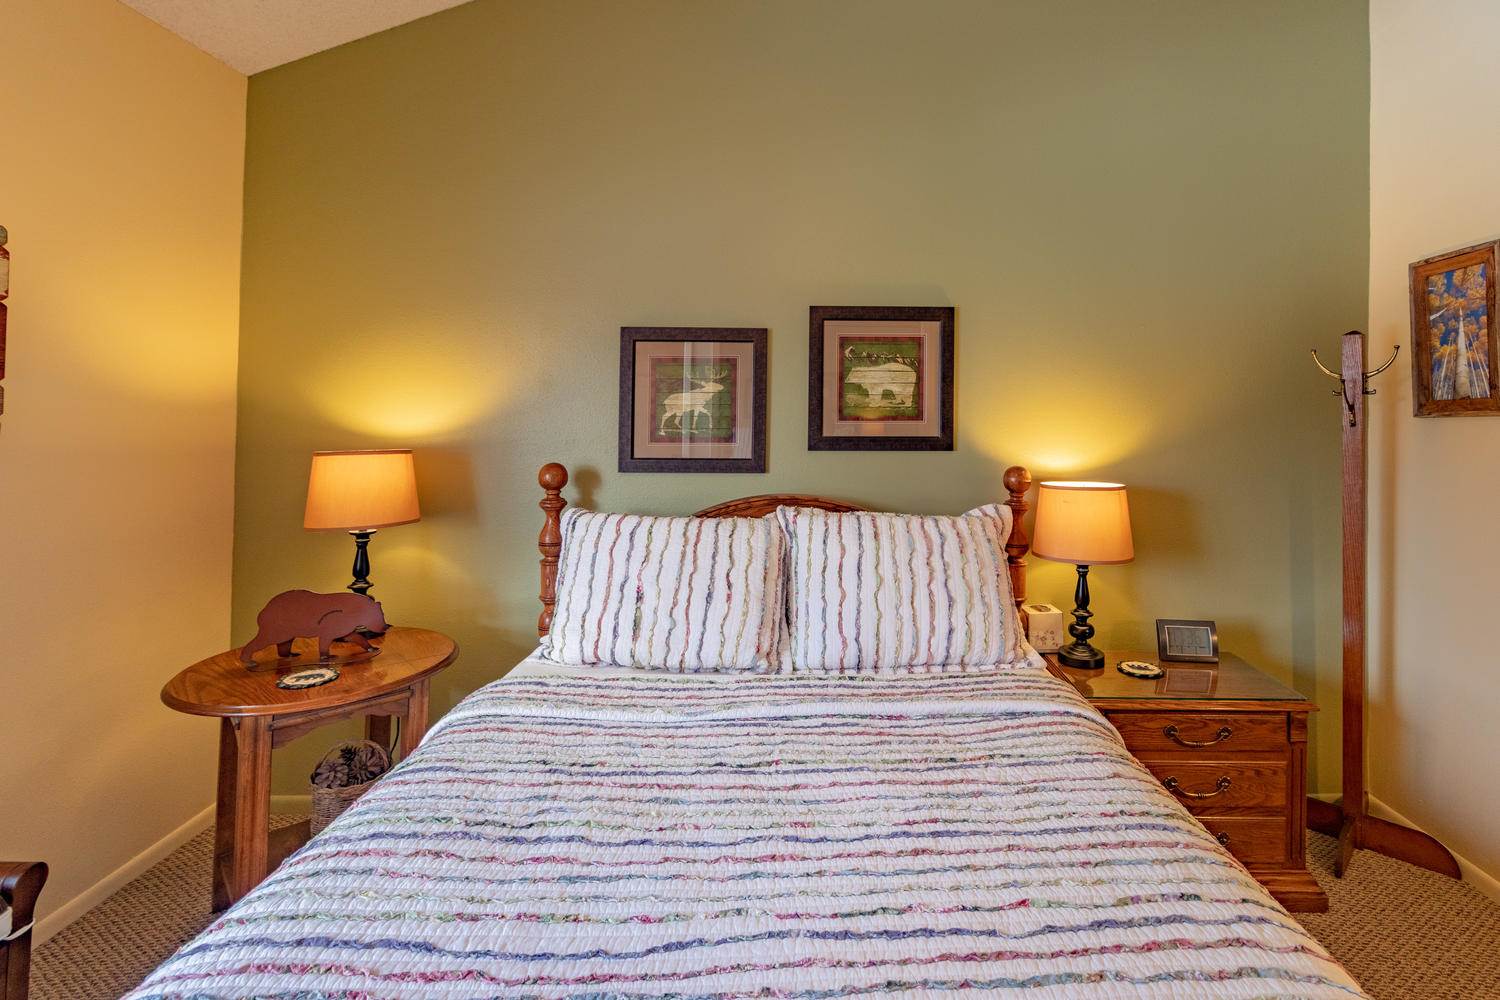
{"type": "Point", "coordinates": [1405, 934]}
{"type": "Point", "coordinates": [112, 947]}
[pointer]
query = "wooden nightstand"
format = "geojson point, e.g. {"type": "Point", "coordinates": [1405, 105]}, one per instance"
{"type": "Point", "coordinates": [1231, 744]}
{"type": "Point", "coordinates": [258, 716]}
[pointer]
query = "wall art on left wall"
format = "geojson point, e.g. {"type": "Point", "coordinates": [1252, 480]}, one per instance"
{"type": "Point", "coordinates": [692, 399]}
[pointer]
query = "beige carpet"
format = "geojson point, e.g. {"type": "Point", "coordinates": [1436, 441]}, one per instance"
{"type": "Point", "coordinates": [111, 948]}
{"type": "Point", "coordinates": [1404, 933]}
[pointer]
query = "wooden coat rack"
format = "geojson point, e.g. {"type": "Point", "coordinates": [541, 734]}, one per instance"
{"type": "Point", "coordinates": [1350, 820]}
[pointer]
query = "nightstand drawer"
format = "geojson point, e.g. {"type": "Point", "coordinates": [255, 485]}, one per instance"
{"type": "Point", "coordinates": [1253, 840]}
{"type": "Point", "coordinates": [1148, 732]}
{"type": "Point", "coordinates": [1208, 787]}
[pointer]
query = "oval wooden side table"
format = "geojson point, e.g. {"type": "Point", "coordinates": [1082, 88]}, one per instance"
{"type": "Point", "coordinates": [257, 717]}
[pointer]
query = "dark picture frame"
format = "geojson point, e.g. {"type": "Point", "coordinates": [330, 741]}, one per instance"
{"type": "Point", "coordinates": [647, 452]}
{"type": "Point", "coordinates": [1452, 324]}
{"type": "Point", "coordinates": [910, 401]}
{"type": "Point", "coordinates": [1187, 640]}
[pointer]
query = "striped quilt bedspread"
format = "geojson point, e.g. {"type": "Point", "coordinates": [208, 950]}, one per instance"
{"type": "Point", "coordinates": [586, 833]}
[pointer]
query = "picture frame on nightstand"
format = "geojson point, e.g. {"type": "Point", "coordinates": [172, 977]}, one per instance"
{"type": "Point", "coordinates": [1185, 640]}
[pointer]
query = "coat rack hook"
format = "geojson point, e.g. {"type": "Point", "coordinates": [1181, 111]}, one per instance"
{"type": "Point", "coordinates": [1388, 362]}
{"type": "Point", "coordinates": [1326, 371]}
{"type": "Point", "coordinates": [1364, 388]}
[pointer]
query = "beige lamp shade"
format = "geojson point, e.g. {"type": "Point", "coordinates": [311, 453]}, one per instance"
{"type": "Point", "coordinates": [1087, 524]}
{"type": "Point", "coordinates": [353, 490]}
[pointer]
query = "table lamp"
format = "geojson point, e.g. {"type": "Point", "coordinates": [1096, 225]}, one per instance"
{"type": "Point", "coordinates": [359, 492]}
{"type": "Point", "coordinates": [1087, 524]}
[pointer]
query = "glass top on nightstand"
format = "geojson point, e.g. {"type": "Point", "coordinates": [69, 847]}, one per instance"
{"type": "Point", "coordinates": [1231, 679]}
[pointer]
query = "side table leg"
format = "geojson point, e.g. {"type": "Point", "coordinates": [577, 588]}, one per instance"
{"type": "Point", "coordinates": [414, 723]}
{"type": "Point", "coordinates": [242, 820]}
{"type": "Point", "coordinates": [378, 729]}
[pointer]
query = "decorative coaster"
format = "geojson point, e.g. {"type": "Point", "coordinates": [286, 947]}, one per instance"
{"type": "Point", "coordinates": [1140, 668]}
{"type": "Point", "coordinates": [316, 677]}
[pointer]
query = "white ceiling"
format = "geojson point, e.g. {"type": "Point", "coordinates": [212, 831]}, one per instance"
{"type": "Point", "coordinates": [252, 35]}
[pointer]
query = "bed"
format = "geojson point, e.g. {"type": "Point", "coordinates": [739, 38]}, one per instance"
{"type": "Point", "coordinates": [594, 831]}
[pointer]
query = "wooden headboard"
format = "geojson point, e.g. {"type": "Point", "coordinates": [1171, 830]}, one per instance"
{"type": "Point", "coordinates": [553, 477]}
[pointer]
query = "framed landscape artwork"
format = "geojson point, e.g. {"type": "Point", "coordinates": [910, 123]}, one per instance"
{"type": "Point", "coordinates": [880, 378]}
{"type": "Point", "coordinates": [692, 399]}
{"type": "Point", "coordinates": [1454, 348]}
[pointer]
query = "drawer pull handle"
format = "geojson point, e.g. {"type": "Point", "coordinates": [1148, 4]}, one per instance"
{"type": "Point", "coordinates": [1222, 838]}
{"type": "Point", "coordinates": [1175, 787]}
{"type": "Point", "coordinates": [1223, 734]}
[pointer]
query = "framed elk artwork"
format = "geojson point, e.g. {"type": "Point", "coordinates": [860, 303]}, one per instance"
{"type": "Point", "coordinates": [1453, 344]}
{"type": "Point", "coordinates": [880, 378]}
{"type": "Point", "coordinates": [692, 399]}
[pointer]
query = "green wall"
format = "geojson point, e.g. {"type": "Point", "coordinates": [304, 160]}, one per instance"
{"type": "Point", "coordinates": [1145, 213]}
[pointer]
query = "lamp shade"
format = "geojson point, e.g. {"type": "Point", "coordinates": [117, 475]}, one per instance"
{"type": "Point", "coordinates": [1087, 524]}
{"type": "Point", "coordinates": [353, 490]}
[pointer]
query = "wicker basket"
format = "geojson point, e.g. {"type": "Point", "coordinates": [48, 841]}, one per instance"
{"type": "Point", "coordinates": [346, 771]}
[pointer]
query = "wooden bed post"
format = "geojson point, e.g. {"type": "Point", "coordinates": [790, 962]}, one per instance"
{"type": "Point", "coordinates": [552, 478]}
{"type": "Point", "coordinates": [1017, 484]}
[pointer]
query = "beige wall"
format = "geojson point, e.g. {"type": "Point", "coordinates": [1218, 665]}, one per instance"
{"type": "Point", "coordinates": [1434, 545]}
{"type": "Point", "coordinates": [120, 181]}
{"type": "Point", "coordinates": [1144, 213]}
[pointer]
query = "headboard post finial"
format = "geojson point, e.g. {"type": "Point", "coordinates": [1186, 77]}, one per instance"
{"type": "Point", "coordinates": [1017, 484]}
{"type": "Point", "coordinates": [552, 478]}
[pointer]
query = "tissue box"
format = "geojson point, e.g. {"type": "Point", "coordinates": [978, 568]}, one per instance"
{"type": "Point", "coordinates": [1044, 627]}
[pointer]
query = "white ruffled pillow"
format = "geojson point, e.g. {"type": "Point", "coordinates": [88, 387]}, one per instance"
{"type": "Point", "coordinates": [673, 593]}
{"type": "Point", "coordinates": [875, 591]}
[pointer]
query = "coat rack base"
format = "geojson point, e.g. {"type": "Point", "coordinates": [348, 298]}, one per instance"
{"type": "Point", "coordinates": [1368, 833]}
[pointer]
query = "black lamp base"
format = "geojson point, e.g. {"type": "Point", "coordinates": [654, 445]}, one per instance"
{"type": "Point", "coordinates": [1080, 652]}
{"type": "Point", "coordinates": [362, 584]}
{"type": "Point", "coordinates": [361, 571]}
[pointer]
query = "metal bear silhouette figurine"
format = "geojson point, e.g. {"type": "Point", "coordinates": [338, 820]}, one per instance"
{"type": "Point", "coordinates": [298, 614]}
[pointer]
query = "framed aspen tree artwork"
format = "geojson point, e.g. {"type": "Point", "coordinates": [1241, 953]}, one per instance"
{"type": "Point", "coordinates": [1454, 367]}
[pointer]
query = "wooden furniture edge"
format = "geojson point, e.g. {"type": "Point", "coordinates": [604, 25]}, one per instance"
{"type": "Point", "coordinates": [553, 477]}
{"type": "Point", "coordinates": [1197, 705]}
{"type": "Point", "coordinates": [21, 884]}
{"type": "Point", "coordinates": [765, 503]}
{"type": "Point", "coordinates": [292, 726]}
{"type": "Point", "coordinates": [328, 700]}
{"type": "Point", "coordinates": [1297, 891]}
